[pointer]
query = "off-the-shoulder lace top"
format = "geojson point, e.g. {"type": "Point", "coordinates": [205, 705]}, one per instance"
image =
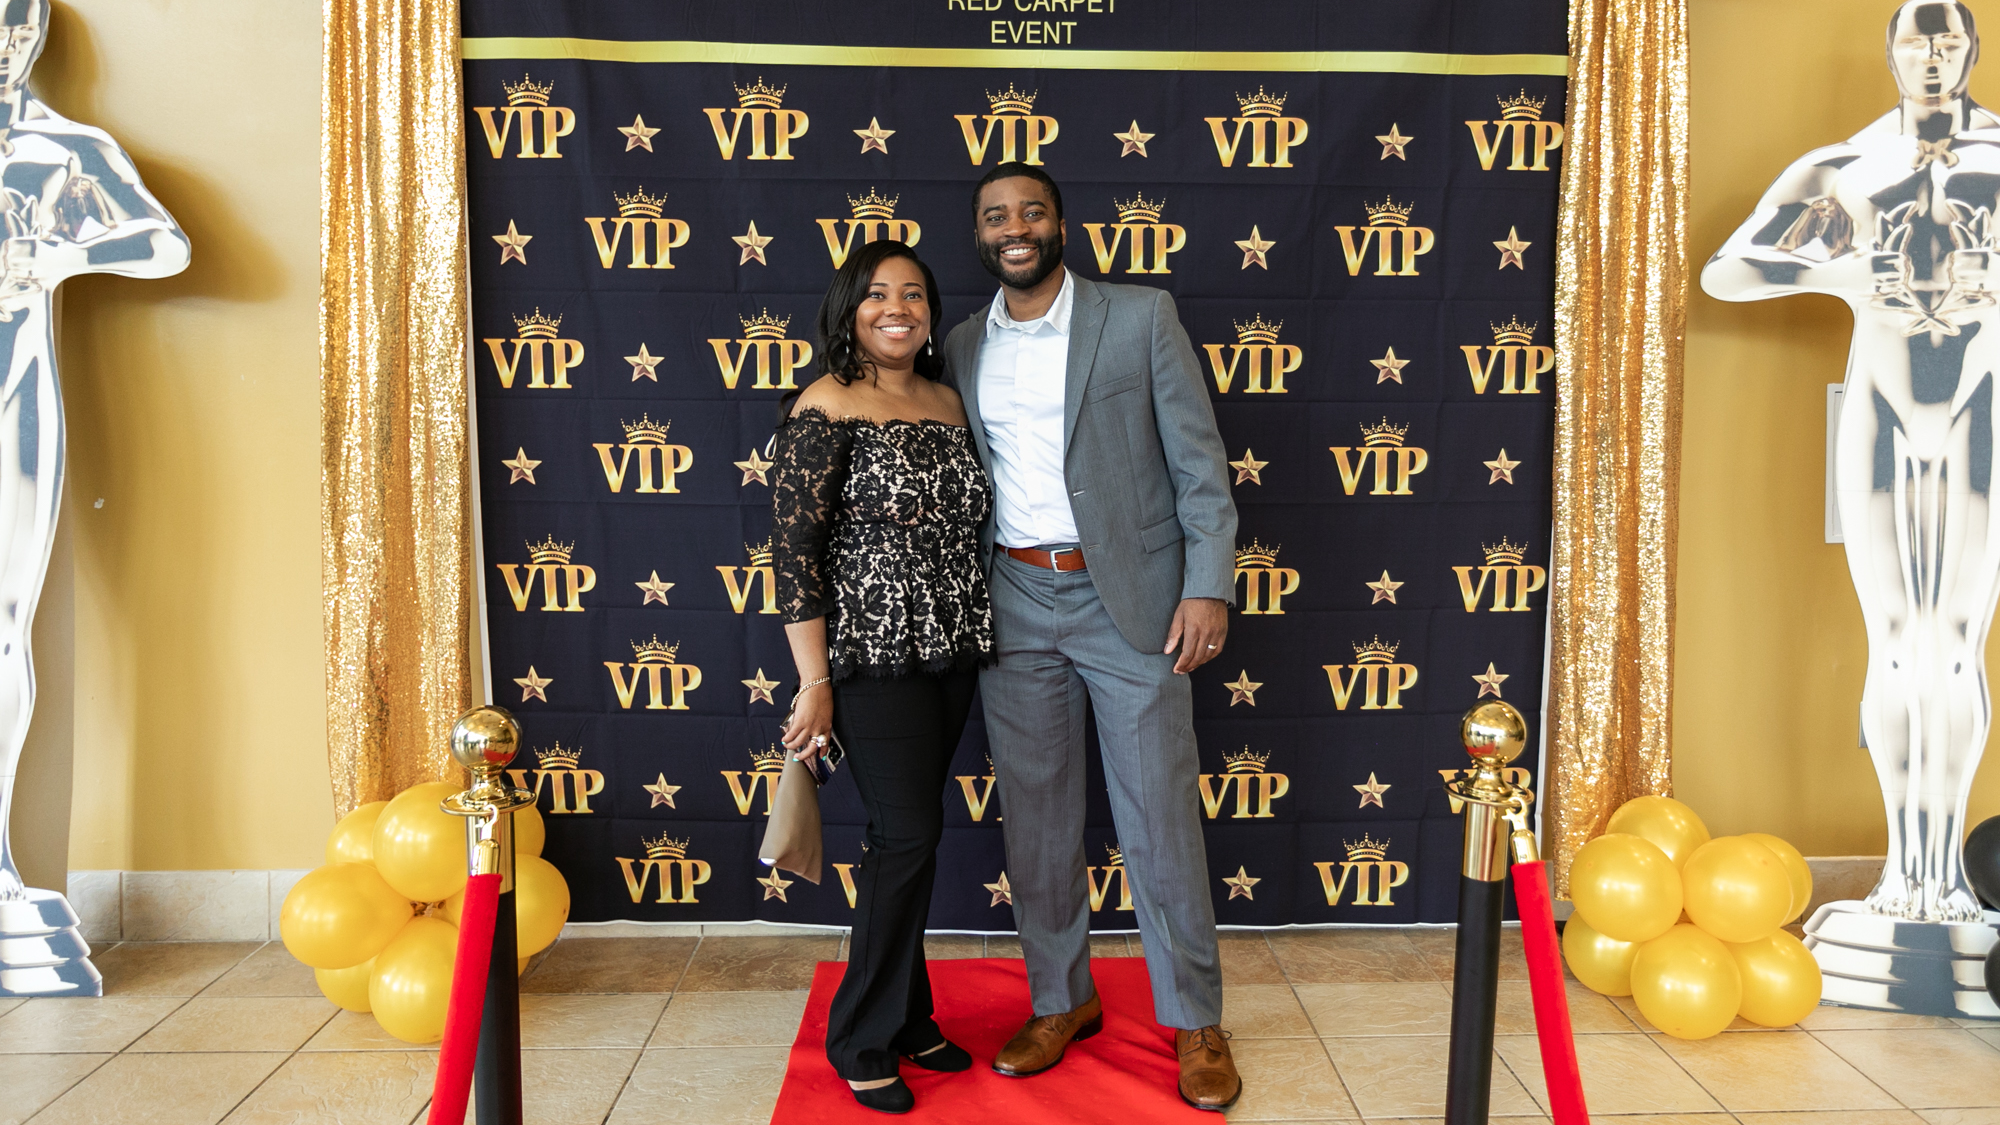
{"type": "Point", "coordinates": [877, 529]}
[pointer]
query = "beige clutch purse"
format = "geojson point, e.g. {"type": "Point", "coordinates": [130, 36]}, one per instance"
{"type": "Point", "coordinates": [792, 838]}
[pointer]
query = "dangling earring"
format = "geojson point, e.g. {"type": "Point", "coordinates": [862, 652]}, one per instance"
{"type": "Point", "coordinates": [929, 345]}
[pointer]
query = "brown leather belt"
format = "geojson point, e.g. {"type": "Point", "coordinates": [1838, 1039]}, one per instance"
{"type": "Point", "coordinates": [1062, 558]}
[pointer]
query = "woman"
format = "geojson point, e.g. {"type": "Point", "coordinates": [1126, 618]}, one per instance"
{"type": "Point", "coordinates": [878, 501]}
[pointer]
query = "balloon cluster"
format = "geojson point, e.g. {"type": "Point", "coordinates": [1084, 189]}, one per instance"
{"type": "Point", "coordinates": [1689, 926]}
{"type": "Point", "coordinates": [379, 923]}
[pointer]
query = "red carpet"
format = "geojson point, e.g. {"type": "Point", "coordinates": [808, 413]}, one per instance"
{"type": "Point", "coordinates": [1125, 1073]}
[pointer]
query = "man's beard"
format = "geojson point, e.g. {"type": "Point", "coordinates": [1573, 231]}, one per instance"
{"type": "Point", "coordinates": [1048, 257]}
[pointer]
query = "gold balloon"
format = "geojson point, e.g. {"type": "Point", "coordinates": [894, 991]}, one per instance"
{"type": "Point", "coordinates": [340, 915]}
{"type": "Point", "coordinates": [420, 848]}
{"type": "Point", "coordinates": [530, 833]}
{"type": "Point", "coordinates": [1687, 983]}
{"type": "Point", "coordinates": [1795, 867]}
{"type": "Point", "coordinates": [1602, 964]}
{"type": "Point", "coordinates": [346, 987]}
{"type": "Point", "coordinates": [1781, 981]}
{"type": "Point", "coordinates": [411, 989]}
{"type": "Point", "coordinates": [1736, 889]}
{"type": "Point", "coordinates": [541, 903]}
{"type": "Point", "coordinates": [1625, 887]}
{"type": "Point", "coordinates": [1672, 826]}
{"type": "Point", "coordinates": [353, 839]}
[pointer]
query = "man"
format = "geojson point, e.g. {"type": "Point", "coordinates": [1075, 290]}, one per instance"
{"type": "Point", "coordinates": [1111, 565]}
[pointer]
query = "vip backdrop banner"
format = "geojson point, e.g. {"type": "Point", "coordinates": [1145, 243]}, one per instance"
{"type": "Point", "coordinates": [1354, 209]}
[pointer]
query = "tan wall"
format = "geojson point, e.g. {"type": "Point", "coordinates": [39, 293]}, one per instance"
{"type": "Point", "coordinates": [1770, 652]}
{"type": "Point", "coordinates": [199, 705]}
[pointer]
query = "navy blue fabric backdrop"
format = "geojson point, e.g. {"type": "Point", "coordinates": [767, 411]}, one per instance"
{"type": "Point", "coordinates": [1356, 217]}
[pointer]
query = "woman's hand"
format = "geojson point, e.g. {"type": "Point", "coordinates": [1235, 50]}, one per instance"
{"type": "Point", "coordinates": [812, 722]}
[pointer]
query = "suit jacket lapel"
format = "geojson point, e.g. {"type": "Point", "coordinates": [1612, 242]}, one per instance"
{"type": "Point", "coordinates": [964, 361]}
{"type": "Point", "coordinates": [1086, 325]}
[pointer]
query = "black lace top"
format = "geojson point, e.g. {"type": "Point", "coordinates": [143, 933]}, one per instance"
{"type": "Point", "coordinates": [877, 529]}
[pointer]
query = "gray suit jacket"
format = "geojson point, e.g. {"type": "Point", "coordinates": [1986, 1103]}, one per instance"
{"type": "Point", "coordinates": [1144, 463]}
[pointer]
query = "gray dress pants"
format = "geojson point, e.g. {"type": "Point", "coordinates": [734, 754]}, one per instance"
{"type": "Point", "coordinates": [1057, 650]}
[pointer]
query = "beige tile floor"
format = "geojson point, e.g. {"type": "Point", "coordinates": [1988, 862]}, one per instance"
{"type": "Point", "coordinates": [1330, 1025]}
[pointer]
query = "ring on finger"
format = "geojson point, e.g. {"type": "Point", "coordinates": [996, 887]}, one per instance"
{"type": "Point", "coordinates": [819, 740]}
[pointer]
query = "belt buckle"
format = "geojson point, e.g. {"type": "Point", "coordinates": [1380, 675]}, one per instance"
{"type": "Point", "coordinates": [1055, 556]}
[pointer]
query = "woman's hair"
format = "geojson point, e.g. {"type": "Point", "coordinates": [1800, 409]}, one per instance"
{"type": "Point", "coordinates": [838, 355]}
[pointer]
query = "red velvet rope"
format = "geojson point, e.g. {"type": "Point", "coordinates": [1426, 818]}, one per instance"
{"type": "Point", "coordinates": [1545, 980]}
{"type": "Point", "coordinates": [468, 1000]}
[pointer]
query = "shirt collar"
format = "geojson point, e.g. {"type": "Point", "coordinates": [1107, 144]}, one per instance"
{"type": "Point", "coordinates": [1056, 319]}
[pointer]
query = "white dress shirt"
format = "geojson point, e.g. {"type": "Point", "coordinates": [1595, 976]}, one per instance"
{"type": "Point", "coordinates": [1023, 367]}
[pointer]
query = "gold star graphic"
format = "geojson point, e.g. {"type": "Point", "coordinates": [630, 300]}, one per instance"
{"type": "Point", "coordinates": [775, 884]}
{"type": "Point", "coordinates": [1389, 367]}
{"type": "Point", "coordinates": [874, 138]}
{"type": "Point", "coordinates": [1240, 883]}
{"type": "Point", "coordinates": [532, 685]}
{"type": "Point", "coordinates": [643, 364]}
{"type": "Point", "coordinates": [760, 688]}
{"type": "Point", "coordinates": [753, 469]}
{"type": "Point", "coordinates": [637, 135]}
{"type": "Point", "coordinates": [1134, 141]}
{"type": "Point", "coordinates": [1249, 468]}
{"type": "Point", "coordinates": [663, 794]}
{"type": "Point", "coordinates": [1244, 690]}
{"type": "Point", "coordinates": [1002, 892]}
{"type": "Point", "coordinates": [1503, 469]}
{"type": "Point", "coordinates": [1371, 793]}
{"type": "Point", "coordinates": [1489, 684]}
{"type": "Point", "coordinates": [656, 590]}
{"type": "Point", "coordinates": [1511, 250]}
{"type": "Point", "coordinates": [1385, 590]}
{"type": "Point", "coordinates": [522, 467]}
{"type": "Point", "coordinates": [513, 245]}
{"type": "Point", "coordinates": [753, 245]}
{"type": "Point", "coordinates": [1254, 249]}
{"type": "Point", "coordinates": [1393, 143]}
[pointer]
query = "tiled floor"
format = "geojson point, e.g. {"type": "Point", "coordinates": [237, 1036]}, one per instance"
{"type": "Point", "coordinates": [1330, 1025]}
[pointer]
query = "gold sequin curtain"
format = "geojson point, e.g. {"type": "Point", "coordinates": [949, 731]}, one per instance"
{"type": "Point", "coordinates": [394, 487]}
{"type": "Point", "coordinates": [1621, 271]}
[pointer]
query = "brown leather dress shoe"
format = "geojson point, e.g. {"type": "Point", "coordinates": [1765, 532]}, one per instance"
{"type": "Point", "coordinates": [1208, 1072]}
{"type": "Point", "coordinates": [1040, 1043]}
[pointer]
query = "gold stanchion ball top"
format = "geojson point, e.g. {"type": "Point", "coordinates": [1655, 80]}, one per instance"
{"type": "Point", "coordinates": [1494, 730]}
{"type": "Point", "coordinates": [485, 739]}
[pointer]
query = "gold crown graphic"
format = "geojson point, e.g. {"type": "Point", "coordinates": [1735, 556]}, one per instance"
{"type": "Point", "coordinates": [550, 551]}
{"type": "Point", "coordinates": [1504, 552]}
{"type": "Point", "coordinates": [1139, 209]}
{"type": "Point", "coordinates": [567, 759]}
{"type": "Point", "coordinates": [760, 96]}
{"type": "Point", "coordinates": [760, 553]}
{"type": "Point", "coordinates": [1521, 105]}
{"type": "Point", "coordinates": [1115, 854]}
{"type": "Point", "coordinates": [1261, 104]}
{"type": "Point", "coordinates": [527, 92]}
{"type": "Point", "coordinates": [1249, 761]}
{"type": "Point", "coordinates": [1257, 330]}
{"type": "Point", "coordinates": [764, 325]}
{"type": "Point", "coordinates": [1256, 554]}
{"type": "Point", "coordinates": [1387, 433]}
{"type": "Point", "coordinates": [666, 847]}
{"type": "Point", "coordinates": [1366, 848]}
{"type": "Point", "coordinates": [646, 431]}
{"type": "Point", "coordinates": [535, 324]}
{"type": "Point", "coordinates": [1513, 332]}
{"type": "Point", "coordinates": [771, 759]}
{"type": "Point", "coordinates": [873, 205]}
{"type": "Point", "coordinates": [653, 652]}
{"type": "Point", "coordinates": [1012, 101]}
{"type": "Point", "coordinates": [1375, 652]}
{"type": "Point", "coordinates": [639, 203]}
{"type": "Point", "coordinates": [1388, 213]}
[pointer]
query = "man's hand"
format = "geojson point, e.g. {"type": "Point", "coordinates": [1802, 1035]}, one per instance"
{"type": "Point", "coordinates": [1199, 628]}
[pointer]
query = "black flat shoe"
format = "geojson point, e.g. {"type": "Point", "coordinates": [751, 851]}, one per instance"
{"type": "Point", "coordinates": [893, 1098]}
{"type": "Point", "coordinates": [949, 1057]}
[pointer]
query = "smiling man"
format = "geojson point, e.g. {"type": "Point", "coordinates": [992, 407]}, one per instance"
{"type": "Point", "coordinates": [1111, 556]}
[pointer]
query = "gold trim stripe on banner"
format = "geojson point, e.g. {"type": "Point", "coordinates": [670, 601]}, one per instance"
{"type": "Point", "coordinates": [800, 54]}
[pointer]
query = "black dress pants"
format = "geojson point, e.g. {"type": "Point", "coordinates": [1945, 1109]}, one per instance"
{"type": "Point", "coordinates": [900, 735]}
